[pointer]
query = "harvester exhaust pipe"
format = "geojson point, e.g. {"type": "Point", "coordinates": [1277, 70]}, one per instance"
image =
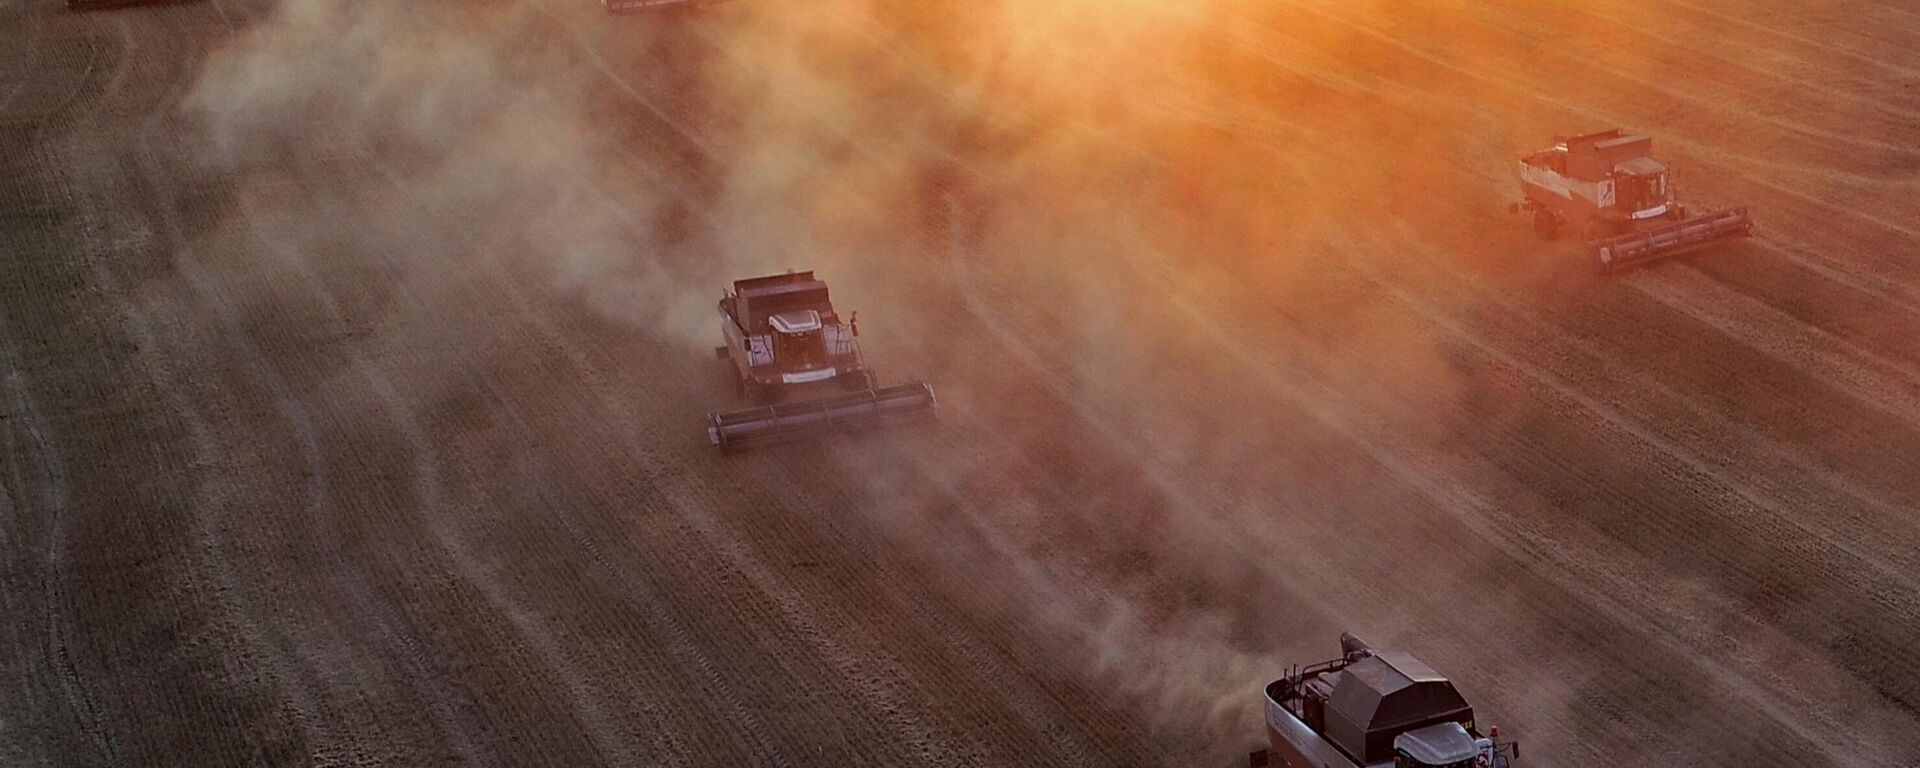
{"type": "Point", "coordinates": [838, 413]}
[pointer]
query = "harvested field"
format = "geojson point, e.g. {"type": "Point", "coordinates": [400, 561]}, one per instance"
{"type": "Point", "coordinates": [354, 359]}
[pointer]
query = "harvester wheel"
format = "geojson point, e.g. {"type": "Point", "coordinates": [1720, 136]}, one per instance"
{"type": "Point", "coordinates": [1545, 224]}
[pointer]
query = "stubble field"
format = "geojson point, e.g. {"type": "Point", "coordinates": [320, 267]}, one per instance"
{"type": "Point", "coordinates": [354, 357]}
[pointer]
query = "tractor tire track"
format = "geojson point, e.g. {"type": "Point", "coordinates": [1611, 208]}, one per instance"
{"type": "Point", "coordinates": [1856, 55]}
{"type": "Point", "coordinates": [143, 334]}
{"type": "Point", "coordinates": [594, 712]}
{"type": "Point", "coordinates": [56, 607]}
{"type": "Point", "coordinates": [28, 48]}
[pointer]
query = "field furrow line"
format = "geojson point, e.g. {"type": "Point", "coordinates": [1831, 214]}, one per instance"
{"type": "Point", "coordinates": [1618, 378]}
{"type": "Point", "coordinates": [1537, 550]}
{"type": "Point", "coordinates": [370, 609]}
{"type": "Point", "coordinates": [466, 563]}
{"type": "Point", "coordinates": [855, 657]}
{"type": "Point", "coordinates": [1546, 551]}
{"type": "Point", "coordinates": [688, 655]}
{"type": "Point", "coordinates": [56, 609]}
{"type": "Point", "coordinates": [642, 604]}
{"type": "Point", "coordinates": [1693, 96]}
{"type": "Point", "coordinates": [78, 109]}
{"type": "Point", "coordinates": [1893, 562]}
{"type": "Point", "coordinates": [143, 328]}
{"type": "Point", "coordinates": [1786, 517]}
{"type": "Point", "coordinates": [1777, 31]}
{"type": "Point", "coordinates": [1755, 65]}
{"type": "Point", "coordinates": [28, 45]}
{"type": "Point", "coordinates": [1495, 19]}
{"type": "Point", "coordinates": [612, 740]}
{"type": "Point", "coordinates": [1889, 387]}
{"type": "Point", "coordinates": [1887, 293]}
{"type": "Point", "coordinates": [634, 92]}
{"type": "Point", "coordinates": [429, 494]}
{"type": "Point", "coordinates": [315, 711]}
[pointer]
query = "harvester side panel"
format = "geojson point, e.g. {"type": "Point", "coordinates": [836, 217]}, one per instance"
{"type": "Point", "coordinates": [1295, 744]}
{"type": "Point", "coordinates": [1574, 200]}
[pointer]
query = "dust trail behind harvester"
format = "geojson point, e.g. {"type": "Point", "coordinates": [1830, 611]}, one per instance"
{"type": "Point", "coordinates": [1014, 165]}
{"type": "Point", "coordinates": [1061, 180]}
{"type": "Point", "coordinates": [494, 131]}
{"type": "Point", "coordinates": [1180, 448]}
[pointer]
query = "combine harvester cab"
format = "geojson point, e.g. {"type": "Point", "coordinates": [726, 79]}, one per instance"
{"type": "Point", "coordinates": [787, 344]}
{"type": "Point", "coordinates": [1608, 187]}
{"type": "Point", "coordinates": [1374, 709]}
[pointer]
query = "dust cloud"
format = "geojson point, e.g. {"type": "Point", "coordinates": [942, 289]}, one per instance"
{"type": "Point", "coordinates": [1065, 215]}
{"type": "Point", "coordinates": [488, 151]}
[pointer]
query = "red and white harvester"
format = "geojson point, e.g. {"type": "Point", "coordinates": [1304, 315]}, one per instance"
{"type": "Point", "coordinates": [1608, 188]}
{"type": "Point", "coordinates": [98, 5]}
{"type": "Point", "coordinates": [622, 6]}
{"type": "Point", "coordinates": [799, 363]}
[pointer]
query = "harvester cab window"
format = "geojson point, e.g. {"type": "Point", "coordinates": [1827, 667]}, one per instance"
{"type": "Point", "coordinates": [798, 336]}
{"type": "Point", "coordinates": [1643, 191]}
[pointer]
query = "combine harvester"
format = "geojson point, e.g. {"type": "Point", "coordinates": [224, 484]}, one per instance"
{"type": "Point", "coordinates": [98, 5]}
{"type": "Point", "coordinates": [622, 6]}
{"type": "Point", "coordinates": [1374, 709]}
{"type": "Point", "coordinates": [785, 339]}
{"type": "Point", "coordinates": [1608, 187]}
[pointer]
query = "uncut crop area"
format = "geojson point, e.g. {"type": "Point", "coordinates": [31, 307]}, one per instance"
{"type": "Point", "coordinates": [356, 360]}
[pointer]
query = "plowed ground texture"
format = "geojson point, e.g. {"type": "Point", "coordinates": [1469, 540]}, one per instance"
{"type": "Point", "coordinates": [354, 362]}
